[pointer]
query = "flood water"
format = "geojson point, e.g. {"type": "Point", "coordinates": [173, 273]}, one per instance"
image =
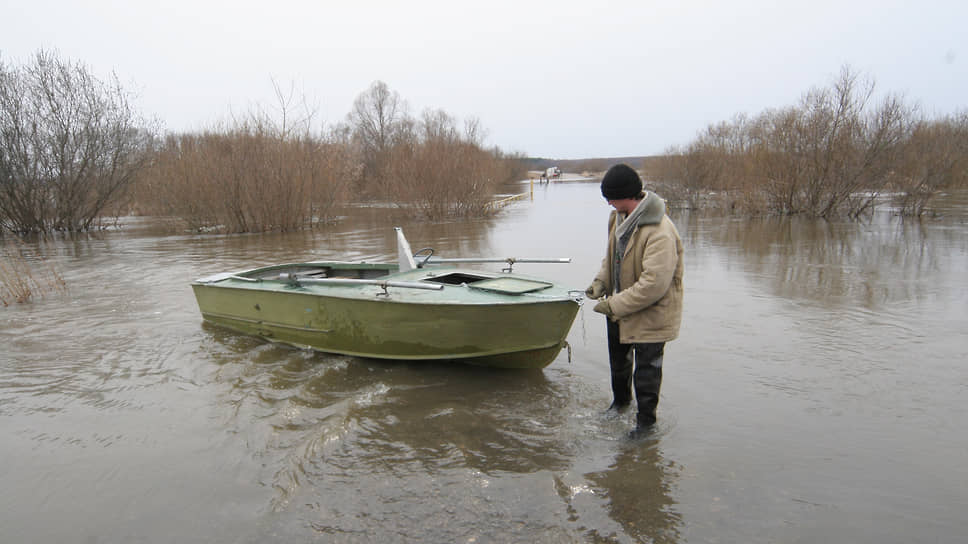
{"type": "Point", "coordinates": [816, 394]}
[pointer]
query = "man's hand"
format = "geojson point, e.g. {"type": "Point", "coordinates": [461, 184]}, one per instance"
{"type": "Point", "coordinates": [604, 308]}
{"type": "Point", "coordinates": [595, 290]}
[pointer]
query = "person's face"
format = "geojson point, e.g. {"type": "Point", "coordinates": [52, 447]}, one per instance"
{"type": "Point", "coordinates": [624, 205]}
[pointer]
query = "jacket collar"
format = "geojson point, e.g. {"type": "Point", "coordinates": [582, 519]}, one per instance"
{"type": "Point", "coordinates": [649, 212]}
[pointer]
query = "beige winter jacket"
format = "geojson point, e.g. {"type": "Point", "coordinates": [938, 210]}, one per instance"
{"type": "Point", "coordinates": [648, 299]}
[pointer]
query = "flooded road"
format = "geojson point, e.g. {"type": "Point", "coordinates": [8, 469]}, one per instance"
{"type": "Point", "coordinates": [816, 394]}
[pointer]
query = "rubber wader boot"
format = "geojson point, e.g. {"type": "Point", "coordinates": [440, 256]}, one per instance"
{"type": "Point", "coordinates": [648, 381]}
{"type": "Point", "coordinates": [621, 365]}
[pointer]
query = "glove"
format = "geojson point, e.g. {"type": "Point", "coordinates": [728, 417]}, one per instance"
{"type": "Point", "coordinates": [595, 290]}
{"type": "Point", "coordinates": [604, 308]}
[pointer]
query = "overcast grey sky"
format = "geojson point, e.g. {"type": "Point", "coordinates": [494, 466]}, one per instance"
{"type": "Point", "coordinates": [555, 79]}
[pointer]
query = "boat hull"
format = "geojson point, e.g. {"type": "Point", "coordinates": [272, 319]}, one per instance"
{"type": "Point", "coordinates": [455, 324]}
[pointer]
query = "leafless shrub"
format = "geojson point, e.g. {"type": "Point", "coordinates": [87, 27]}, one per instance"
{"type": "Point", "coordinates": [70, 145]}
{"type": "Point", "coordinates": [263, 172]}
{"type": "Point", "coordinates": [708, 170]}
{"type": "Point", "coordinates": [438, 171]}
{"type": "Point", "coordinates": [849, 150]}
{"type": "Point", "coordinates": [22, 278]}
{"type": "Point", "coordinates": [513, 165]}
{"type": "Point", "coordinates": [933, 159]}
{"type": "Point", "coordinates": [429, 167]}
{"type": "Point", "coordinates": [833, 154]}
{"type": "Point", "coordinates": [273, 172]}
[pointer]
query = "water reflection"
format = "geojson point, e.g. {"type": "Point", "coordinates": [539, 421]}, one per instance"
{"type": "Point", "coordinates": [638, 488]}
{"type": "Point", "coordinates": [345, 440]}
{"type": "Point", "coordinates": [844, 265]}
{"type": "Point", "coordinates": [489, 422]}
{"type": "Point", "coordinates": [391, 413]}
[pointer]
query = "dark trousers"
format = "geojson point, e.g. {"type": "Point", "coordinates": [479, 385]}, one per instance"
{"type": "Point", "coordinates": [635, 368]}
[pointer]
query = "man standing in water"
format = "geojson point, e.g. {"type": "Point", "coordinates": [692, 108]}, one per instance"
{"type": "Point", "coordinates": [641, 276]}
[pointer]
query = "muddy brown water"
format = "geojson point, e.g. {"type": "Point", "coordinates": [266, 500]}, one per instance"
{"type": "Point", "coordinates": [816, 394]}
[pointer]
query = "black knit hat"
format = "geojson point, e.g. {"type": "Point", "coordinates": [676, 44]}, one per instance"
{"type": "Point", "coordinates": [620, 182]}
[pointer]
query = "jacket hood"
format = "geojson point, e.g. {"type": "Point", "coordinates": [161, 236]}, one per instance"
{"type": "Point", "coordinates": [650, 210]}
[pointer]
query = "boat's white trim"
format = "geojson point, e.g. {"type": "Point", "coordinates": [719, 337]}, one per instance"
{"type": "Point", "coordinates": [404, 253]}
{"type": "Point", "coordinates": [222, 276]}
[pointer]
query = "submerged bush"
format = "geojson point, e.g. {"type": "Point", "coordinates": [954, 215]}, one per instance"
{"type": "Point", "coordinates": [836, 153]}
{"type": "Point", "coordinates": [256, 174]}
{"type": "Point", "coordinates": [429, 167]}
{"type": "Point", "coordinates": [267, 172]}
{"type": "Point", "coordinates": [440, 172]}
{"type": "Point", "coordinates": [70, 145]}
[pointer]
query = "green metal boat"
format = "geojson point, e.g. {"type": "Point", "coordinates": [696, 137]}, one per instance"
{"type": "Point", "coordinates": [435, 310]}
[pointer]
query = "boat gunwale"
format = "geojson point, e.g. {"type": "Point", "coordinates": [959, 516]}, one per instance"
{"type": "Point", "coordinates": [338, 290]}
{"type": "Point", "coordinates": [328, 291]}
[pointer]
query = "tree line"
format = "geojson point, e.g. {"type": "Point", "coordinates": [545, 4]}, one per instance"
{"type": "Point", "coordinates": [839, 152]}
{"type": "Point", "coordinates": [73, 152]}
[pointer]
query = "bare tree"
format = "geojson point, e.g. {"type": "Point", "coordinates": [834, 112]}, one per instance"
{"type": "Point", "coordinates": [70, 144]}
{"type": "Point", "coordinates": [377, 118]}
